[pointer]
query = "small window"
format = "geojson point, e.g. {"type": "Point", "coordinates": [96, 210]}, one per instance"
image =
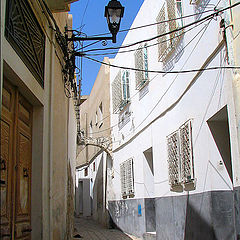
{"type": "Point", "coordinates": [100, 108]}
{"type": "Point", "coordinates": [120, 91]}
{"type": "Point", "coordinates": [127, 179]}
{"type": "Point", "coordinates": [90, 129]}
{"type": "Point", "coordinates": [85, 172]}
{"type": "Point", "coordinates": [94, 167]}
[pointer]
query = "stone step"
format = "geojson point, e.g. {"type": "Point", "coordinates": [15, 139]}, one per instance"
{"type": "Point", "coordinates": [149, 236]}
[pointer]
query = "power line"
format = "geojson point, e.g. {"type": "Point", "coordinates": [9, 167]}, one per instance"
{"type": "Point", "coordinates": [153, 24]}
{"type": "Point", "coordinates": [194, 37]}
{"type": "Point", "coordinates": [170, 32]}
{"type": "Point", "coordinates": [164, 72]}
{"type": "Point", "coordinates": [172, 81]}
{"type": "Point", "coordinates": [169, 85]}
{"type": "Point", "coordinates": [148, 46]}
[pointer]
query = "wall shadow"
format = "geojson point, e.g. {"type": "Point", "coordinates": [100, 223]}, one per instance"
{"type": "Point", "coordinates": [196, 227]}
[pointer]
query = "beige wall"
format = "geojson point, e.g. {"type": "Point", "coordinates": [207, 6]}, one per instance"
{"type": "Point", "coordinates": [54, 133]}
{"type": "Point", "coordinates": [99, 94]}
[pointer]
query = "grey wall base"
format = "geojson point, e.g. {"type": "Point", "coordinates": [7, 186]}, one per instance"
{"type": "Point", "coordinates": [209, 216]}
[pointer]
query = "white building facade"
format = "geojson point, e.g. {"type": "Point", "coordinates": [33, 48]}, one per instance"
{"type": "Point", "coordinates": [175, 166]}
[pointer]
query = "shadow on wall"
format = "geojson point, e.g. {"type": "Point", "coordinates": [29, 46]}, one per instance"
{"type": "Point", "coordinates": [196, 226]}
{"type": "Point", "coordinates": [98, 196]}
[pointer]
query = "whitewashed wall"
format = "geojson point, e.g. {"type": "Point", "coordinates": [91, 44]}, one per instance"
{"type": "Point", "coordinates": [169, 103]}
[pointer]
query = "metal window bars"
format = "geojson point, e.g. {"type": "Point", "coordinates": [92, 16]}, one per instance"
{"type": "Point", "coordinates": [168, 44]}
{"type": "Point", "coordinates": [127, 178]}
{"type": "Point", "coordinates": [180, 159]}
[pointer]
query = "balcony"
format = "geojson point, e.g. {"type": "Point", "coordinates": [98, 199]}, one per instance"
{"type": "Point", "coordinates": [60, 5]}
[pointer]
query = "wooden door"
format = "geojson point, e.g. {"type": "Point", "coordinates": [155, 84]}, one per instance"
{"type": "Point", "coordinates": [16, 151]}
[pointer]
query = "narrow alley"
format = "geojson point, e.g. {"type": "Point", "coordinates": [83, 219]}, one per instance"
{"type": "Point", "coordinates": [120, 120]}
{"type": "Point", "coordinates": [88, 229]}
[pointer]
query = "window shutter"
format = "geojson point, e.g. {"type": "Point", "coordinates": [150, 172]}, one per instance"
{"type": "Point", "coordinates": [174, 166]}
{"type": "Point", "coordinates": [167, 44]}
{"type": "Point", "coordinates": [127, 180]}
{"type": "Point", "coordinates": [180, 159]}
{"type": "Point", "coordinates": [139, 75]}
{"type": "Point", "coordinates": [117, 92]}
{"type": "Point", "coordinates": [130, 182]}
{"type": "Point", "coordinates": [186, 152]}
{"type": "Point", "coordinates": [123, 176]}
{"type": "Point", "coordinates": [161, 29]}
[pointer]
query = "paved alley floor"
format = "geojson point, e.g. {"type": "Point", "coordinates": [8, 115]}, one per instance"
{"type": "Point", "coordinates": [90, 230]}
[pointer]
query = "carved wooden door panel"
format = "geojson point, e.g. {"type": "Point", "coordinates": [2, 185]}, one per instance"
{"type": "Point", "coordinates": [16, 151]}
{"type": "Point", "coordinates": [22, 214]}
{"type": "Point", "coordinates": [6, 174]}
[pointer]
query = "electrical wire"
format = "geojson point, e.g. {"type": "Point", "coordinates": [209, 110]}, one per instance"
{"type": "Point", "coordinates": [81, 26]}
{"type": "Point", "coordinates": [148, 46]}
{"type": "Point", "coordinates": [164, 72]}
{"type": "Point", "coordinates": [216, 13]}
{"type": "Point", "coordinates": [110, 128]}
{"type": "Point", "coordinates": [156, 23]}
{"type": "Point", "coordinates": [194, 37]}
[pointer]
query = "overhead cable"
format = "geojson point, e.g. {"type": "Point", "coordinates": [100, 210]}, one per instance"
{"type": "Point", "coordinates": [216, 13]}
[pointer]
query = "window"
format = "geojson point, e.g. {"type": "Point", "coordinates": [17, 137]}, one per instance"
{"type": "Point", "coordinates": [127, 180]}
{"type": "Point", "coordinates": [172, 9]}
{"type": "Point", "coordinates": [96, 118]}
{"type": "Point", "coordinates": [85, 172]}
{"type": "Point", "coordinates": [90, 129]}
{"type": "Point", "coordinates": [199, 7]}
{"type": "Point", "coordinates": [94, 167]}
{"type": "Point", "coordinates": [141, 62]}
{"type": "Point", "coordinates": [100, 115]}
{"type": "Point", "coordinates": [180, 159]}
{"type": "Point", "coordinates": [120, 91]}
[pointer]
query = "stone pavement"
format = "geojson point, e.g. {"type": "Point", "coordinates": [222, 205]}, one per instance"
{"type": "Point", "coordinates": [90, 230]}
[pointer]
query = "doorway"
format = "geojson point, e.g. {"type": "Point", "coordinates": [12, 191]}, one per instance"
{"type": "Point", "coordinates": [16, 164]}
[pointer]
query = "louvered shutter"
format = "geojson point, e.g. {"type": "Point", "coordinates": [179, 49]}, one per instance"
{"type": "Point", "coordinates": [117, 93]}
{"type": "Point", "coordinates": [174, 9]}
{"type": "Point", "coordinates": [139, 75]}
{"type": "Point", "coordinates": [161, 29]}
{"type": "Point", "coordinates": [186, 152]}
{"type": "Point", "coordinates": [174, 166]}
{"type": "Point", "coordinates": [130, 180]}
{"type": "Point", "coordinates": [127, 179]}
{"type": "Point", "coordinates": [123, 176]}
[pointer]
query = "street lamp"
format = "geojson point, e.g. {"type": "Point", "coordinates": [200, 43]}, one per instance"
{"type": "Point", "coordinates": [114, 13]}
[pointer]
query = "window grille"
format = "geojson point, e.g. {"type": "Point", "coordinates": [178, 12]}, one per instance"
{"type": "Point", "coordinates": [168, 44]}
{"type": "Point", "coordinates": [174, 166]}
{"type": "Point", "coordinates": [141, 62]}
{"type": "Point", "coordinates": [186, 152]}
{"type": "Point", "coordinates": [199, 7]}
{"type": "Point", "coordinates": [180, 159]}
{"type": "Point", "coordinates": [127, 181]}
{"type": "Point", "coordinates": [120, 91]}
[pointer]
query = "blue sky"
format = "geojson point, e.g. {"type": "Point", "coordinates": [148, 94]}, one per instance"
{"type": "Point", "coordinates": [94, 22]}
